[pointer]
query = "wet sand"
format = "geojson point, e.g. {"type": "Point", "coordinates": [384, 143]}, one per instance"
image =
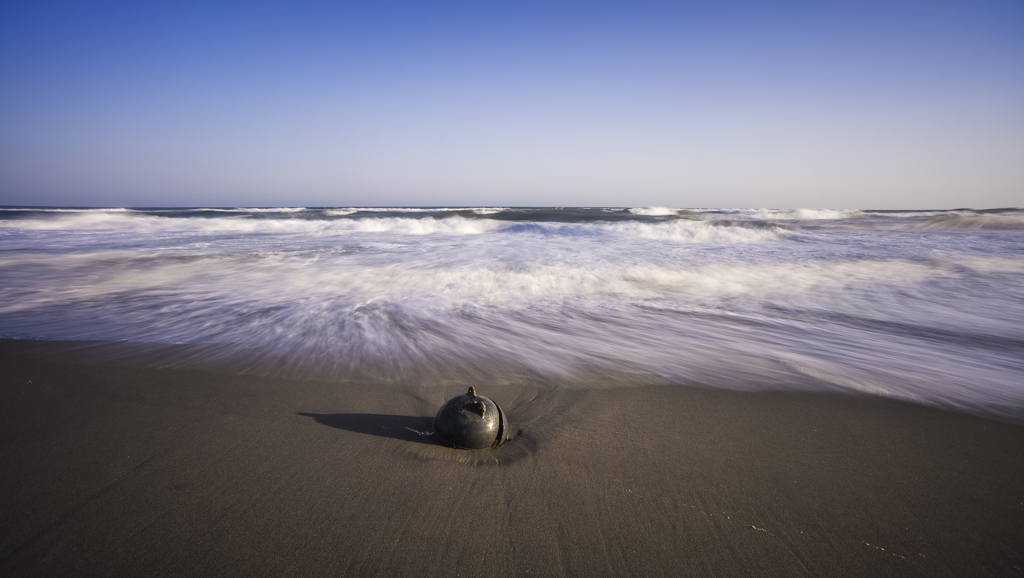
{"type": "Point", "coordinates": [110, 469]}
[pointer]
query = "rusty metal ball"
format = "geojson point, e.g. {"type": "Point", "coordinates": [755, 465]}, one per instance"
{"type": "Point", "coordinates": [471, 422]}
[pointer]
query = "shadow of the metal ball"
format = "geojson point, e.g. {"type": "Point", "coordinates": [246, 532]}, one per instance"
{"type": "Point", "coordinates": [400, 427]}
{"type": "Point", "coordinates": [418, 431]}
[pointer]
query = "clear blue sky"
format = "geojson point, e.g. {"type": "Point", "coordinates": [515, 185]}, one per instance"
{"type": "Point", "coordinates": [740, 104]}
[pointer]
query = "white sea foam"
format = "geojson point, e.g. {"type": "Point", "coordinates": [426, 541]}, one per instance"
{"type": "Point", "coordinates": [885, 307]}
{"type": "Point", "coordinates": [144, 223]}
{"type": "Point", "coordinates": [234, 210]}
{"type": "Point", "coordinates": [840, 376]}
{"type": "Point", "coordinates": [65, 210]}
{"type": "Point", "coordinates": [697, 232]}
{"type": "Point", "coordinates": [427, 226]}
{"type": "Point", "coordinates": [675, 231]}
{"type": "Point", "coordinates": [477, 210]}
{"type": "Point", "coordinates": [395, 209]}
{"type": "Point", "coordinates": [908, 214]}
{"type": "Point", "coordinates": [794, 214]}
{"type": "Point", "coordinates": [654, 211]}
{"type": "Point", "coordinates": [276, 278]}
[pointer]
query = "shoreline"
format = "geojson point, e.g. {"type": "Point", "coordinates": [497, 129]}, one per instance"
{"type": "Point", "coordinates": [117, 470]}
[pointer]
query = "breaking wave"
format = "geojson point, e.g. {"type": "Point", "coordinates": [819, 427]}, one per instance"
{"type": "Point", "coordinates": [654, 211]}
{"type": "Point", "coordinates": [792, 214]}
{"type": "Point", "coordinates": [679, 231]}
{"type": "Point", "coordinates": [1009, 222]}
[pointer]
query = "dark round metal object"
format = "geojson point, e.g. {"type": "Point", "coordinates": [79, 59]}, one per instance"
{"type": "Point", "coordinates": [471, 422]}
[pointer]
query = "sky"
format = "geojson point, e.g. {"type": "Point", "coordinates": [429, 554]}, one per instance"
{"type": "Point", "coordinates": [779, 104]}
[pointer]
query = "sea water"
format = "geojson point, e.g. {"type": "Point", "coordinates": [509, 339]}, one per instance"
{"type": "Point", "coordinates": [925, 306]}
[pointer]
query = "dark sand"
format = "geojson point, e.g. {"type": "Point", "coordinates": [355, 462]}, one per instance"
{"type": "Point", "coordinates": [112, 470]}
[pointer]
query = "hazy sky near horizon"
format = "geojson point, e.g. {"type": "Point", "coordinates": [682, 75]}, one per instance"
{"type": "Point", "coordinates": [738, 104]}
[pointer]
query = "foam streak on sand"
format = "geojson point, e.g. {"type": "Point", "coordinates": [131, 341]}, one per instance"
{"type": "Point", "coordinates": [924, 306]}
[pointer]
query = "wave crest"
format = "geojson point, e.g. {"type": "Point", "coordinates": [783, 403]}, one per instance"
{"type": "Point", "coordinates": [654, 211]}
{"type": "Point", "coordinates": [1006, 222]}
{"type": "Point", "coordinates": [677, 231]}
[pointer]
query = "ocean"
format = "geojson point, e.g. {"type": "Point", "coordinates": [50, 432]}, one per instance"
{"type": "Point", "coordinates": [923, 306]}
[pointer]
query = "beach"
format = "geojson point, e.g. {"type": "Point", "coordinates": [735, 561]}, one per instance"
{"type": "Point", "coordinates": [115, 468]}
{"type": "Point", "coordinates": [214, 391]}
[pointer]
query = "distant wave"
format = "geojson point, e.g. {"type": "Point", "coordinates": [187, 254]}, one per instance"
{"type": "Point", "coordinates": [654, 211]}
{"type": "Point", "coordinates": [791, 214]}
{"type": "Point", "coordinates": [244, 209]}
{"type": "Point", "coordinates": [1011, 222]}
{"type": "Point", "coordinates": [679, 231]}
{"type": "Point", "coordinates": [67, 210]}
{"type": "Point", "coordinates": [354, 210]}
